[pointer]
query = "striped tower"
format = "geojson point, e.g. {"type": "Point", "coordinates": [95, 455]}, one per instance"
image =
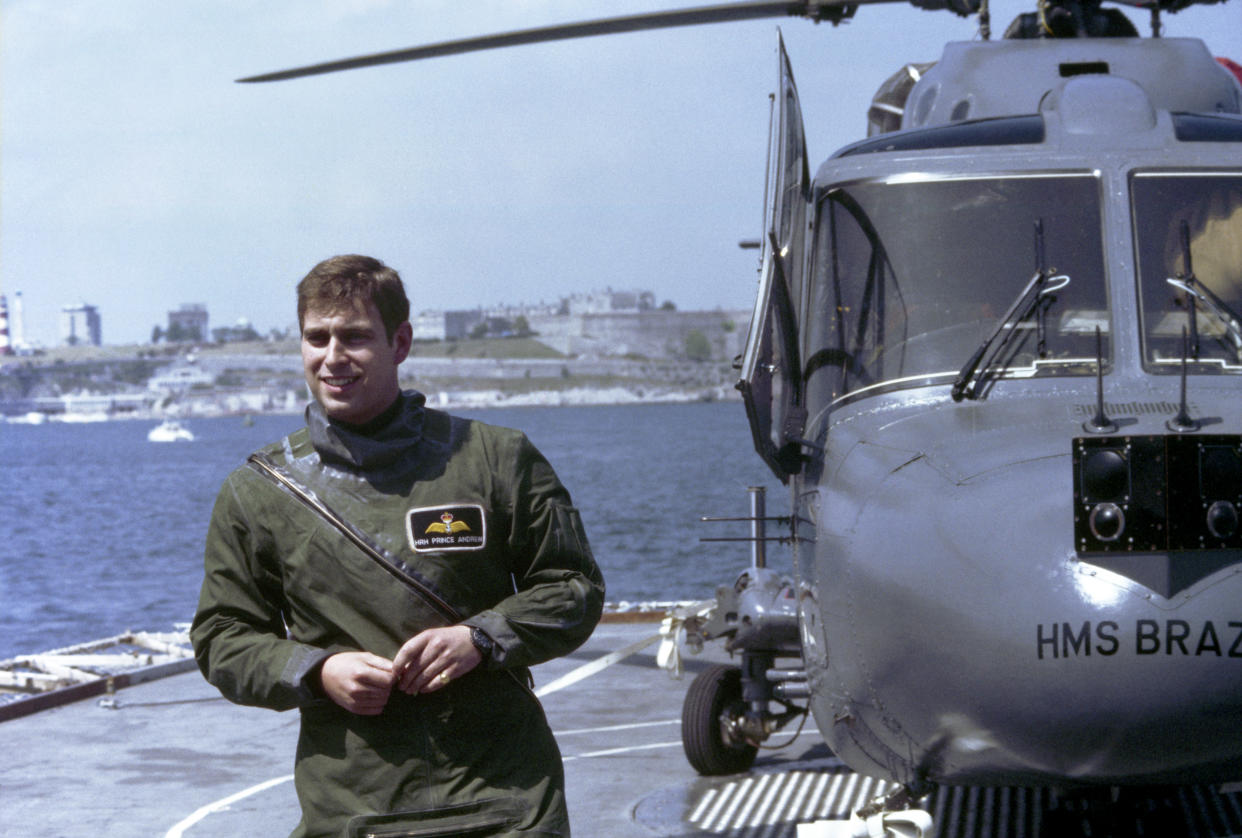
{"type": "Point", "coordinates": [17, 325]}
{"type": "Point", "coordinates": [6, 346]}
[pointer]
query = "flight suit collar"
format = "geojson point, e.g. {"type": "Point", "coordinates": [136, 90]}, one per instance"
{"type": "Point", "coordinates": [368, 449]}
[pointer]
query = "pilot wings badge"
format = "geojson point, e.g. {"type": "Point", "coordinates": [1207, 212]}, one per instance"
{"type": "Point", "coordinates": [448, 524]}
{"type": "Point", "coordinates": [454, 527]}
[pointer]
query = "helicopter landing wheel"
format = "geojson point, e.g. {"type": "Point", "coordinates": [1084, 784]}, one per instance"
{"type": "Point", "coordinates": [713, 704]}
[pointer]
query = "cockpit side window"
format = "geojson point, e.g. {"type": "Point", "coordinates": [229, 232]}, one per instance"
{"type": "Point", "coordinates": [856, 311]}
{"type": "Point", "coordinates": [910, 276]}
{"type": "Point", "coordinates": [1188, 244]}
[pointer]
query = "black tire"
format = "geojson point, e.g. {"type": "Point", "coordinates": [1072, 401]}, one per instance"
{"type": "Point", "coordinates": [714, 694]}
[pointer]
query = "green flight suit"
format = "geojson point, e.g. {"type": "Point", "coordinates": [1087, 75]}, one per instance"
{"type": "Point", "coordinates": [476, 513]}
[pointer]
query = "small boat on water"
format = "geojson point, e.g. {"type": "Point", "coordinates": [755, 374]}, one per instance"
{"type": "Point", "coordinates": [34, 417]}
{"type": "Point", "coordinates": [74, 417]}
{"type": "Point", "coordinates": [170, 430]}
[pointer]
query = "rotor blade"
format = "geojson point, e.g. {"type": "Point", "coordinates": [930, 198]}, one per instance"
{"type": "Point", "coordinates": [814, 9]}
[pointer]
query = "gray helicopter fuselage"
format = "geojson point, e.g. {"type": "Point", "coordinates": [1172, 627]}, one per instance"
{"type": "Point", "coordinates": [1013, 585]}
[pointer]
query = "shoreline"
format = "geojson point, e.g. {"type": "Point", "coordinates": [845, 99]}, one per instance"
{"type": "Point", "coordinates": [445, 399]}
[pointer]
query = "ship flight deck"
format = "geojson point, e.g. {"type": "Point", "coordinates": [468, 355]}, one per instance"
{"type": "Point", "coordinates": [169, 758]}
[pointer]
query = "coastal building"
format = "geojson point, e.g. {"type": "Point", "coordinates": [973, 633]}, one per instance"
{"type": "Point", "coordinates": [239, 332]}
{"type": "Point", "coordinates": [609, 301]}
{"type": "Point", "coordinates": [13, 327]}
{"type": "Point", "coordinates": [428, 325]}
{"type": "Point", "coordinates": [715, 335]}
{"type": "Point", "coordinates": [445, 325]}
{"type": "Point", "coordinates": [599, 324]}
{"type": "Point", "coordinates": [187, 324]}
{"type": "Point", "coordinates": [528, 310]}
{"type": "Point", "coordinates": [178, 378]}
{"type": "Point", "coordinates": [80, 325]}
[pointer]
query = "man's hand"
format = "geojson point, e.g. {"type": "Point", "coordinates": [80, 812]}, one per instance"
{"type": "Point", "coordinates": [358, 681]}
{"type": "Point", "coordinates": [432, 659]}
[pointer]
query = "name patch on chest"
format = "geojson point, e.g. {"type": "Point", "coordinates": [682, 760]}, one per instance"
{"type": "Point", "coordinates": [452, 527]}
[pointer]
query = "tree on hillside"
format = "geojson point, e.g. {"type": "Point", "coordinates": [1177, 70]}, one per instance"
{"type": "Point", "coordinates": [698, 347]}
{"type": "Point", "coordinates": [180, 333]}
{"type": "Point", "coordinates": [521, 327]}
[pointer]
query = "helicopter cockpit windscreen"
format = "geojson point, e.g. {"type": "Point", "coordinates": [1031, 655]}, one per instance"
{"type": "Point", "coordinates": [912, 276]}
{"type": "Point", "coordinates": [1189, 247]}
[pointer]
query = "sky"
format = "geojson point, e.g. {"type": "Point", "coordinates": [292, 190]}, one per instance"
{"type": "Point", "coordinates": [136, 176]}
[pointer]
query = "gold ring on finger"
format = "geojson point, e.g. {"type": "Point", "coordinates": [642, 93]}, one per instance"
{"type": "Point", "coordinates": [444, 677]}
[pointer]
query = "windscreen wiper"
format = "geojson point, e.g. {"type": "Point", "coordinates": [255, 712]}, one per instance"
{"type": "Point", "coordinates": [1034, 299]}
{"type": "Point", "coordinates": [1214, 305]}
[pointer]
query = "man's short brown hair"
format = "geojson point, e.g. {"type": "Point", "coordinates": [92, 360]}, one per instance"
{"type": "Point", "coordinates": [344, 279]}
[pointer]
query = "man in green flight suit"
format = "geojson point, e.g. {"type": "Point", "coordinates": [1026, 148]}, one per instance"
{"type": "Point", "coordinates": [403, 631]}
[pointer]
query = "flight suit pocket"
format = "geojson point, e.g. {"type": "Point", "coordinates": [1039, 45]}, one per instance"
{"type": "Point", "coordinates": [490, 818]}
{"type": "Point", "coordinates": [572, 534]}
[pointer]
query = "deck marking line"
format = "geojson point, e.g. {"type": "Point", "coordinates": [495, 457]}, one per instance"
{"type": "Point", "coordinates": [179, 830]}
{"type": "Point", "coordinates": [737, 794]}
{"type": "Point", "coordinates": [816, 801]}
{"type": "Point", "coordinates": [610, 728]}
{"type": "Point", "coordinates": [753, 814]}
{"type": "Point", "coordinates": [613, 751]}
{"type": "Point", "coordinates": [798, 804]}
{"type": "Point", "coordinates": [758, 816]}
{"type": "Point", "coordinates": [779, 806]}
{"type": "Point", "coordinates": [842, 798]}
{"type": "Point", "coordinates": [704, 802]}
{"type": "Point", "coordinates": [808, 783]}
{"type": "Point", "coordinates": [782, 811]}
{"type": "Point", "coordinates": [720, 800]}
{"type": "Point", "coordinates": [742, 817]}
{"type": "Point", "coordinates": [597, 665]}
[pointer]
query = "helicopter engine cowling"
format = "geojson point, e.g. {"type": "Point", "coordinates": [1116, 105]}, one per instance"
{"type": "Point", "coordinates": [980, 80]}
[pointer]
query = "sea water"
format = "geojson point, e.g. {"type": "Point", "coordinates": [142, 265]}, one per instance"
{"type": "Point", "coordinates": [101, 531]}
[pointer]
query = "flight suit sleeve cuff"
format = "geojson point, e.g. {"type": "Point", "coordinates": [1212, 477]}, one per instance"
{"type": "Point", "coordinates": [302, 673]}
{"type": "Point", "coordinates": [497, 628]}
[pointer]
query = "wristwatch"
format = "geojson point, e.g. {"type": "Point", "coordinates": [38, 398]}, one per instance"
{"type": "Point", "coordinates": [482, 642]}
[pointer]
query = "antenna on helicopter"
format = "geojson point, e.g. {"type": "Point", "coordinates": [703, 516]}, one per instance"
{"type": "Point", "coordinates": [1183, 422]}
{"type": "Point", "coordinates": [1100, 423]}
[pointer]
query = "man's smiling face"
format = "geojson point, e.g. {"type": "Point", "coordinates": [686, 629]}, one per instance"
{"type": "Point", "coordinates": [351, 366]}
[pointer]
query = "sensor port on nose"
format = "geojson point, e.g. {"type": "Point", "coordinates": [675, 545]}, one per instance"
{"type": "Point", "coordinates": [1107, 521]}
{"type": "Point", "coordinates": [1106, 475]}
{"type": "Point", "coordinates": [1222, 519]}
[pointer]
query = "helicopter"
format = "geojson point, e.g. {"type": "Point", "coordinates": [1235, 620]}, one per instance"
{"type": "Point", "coordinates": [994, 355]}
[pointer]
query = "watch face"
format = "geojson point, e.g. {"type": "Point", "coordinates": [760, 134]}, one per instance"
{"type": "Point", "coordinates": [481, 641]}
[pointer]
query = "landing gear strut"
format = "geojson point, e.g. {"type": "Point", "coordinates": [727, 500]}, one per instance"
{"type": "Point", "coordinates": [729, 710]}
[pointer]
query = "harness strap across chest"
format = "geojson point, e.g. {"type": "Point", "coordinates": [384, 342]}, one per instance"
{"type": "Point", "coordinates": [392, 565]}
